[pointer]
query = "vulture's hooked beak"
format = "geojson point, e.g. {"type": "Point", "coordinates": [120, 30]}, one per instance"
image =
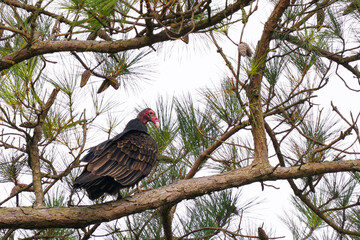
{"type": "Point", "coordinates": [155, 121]}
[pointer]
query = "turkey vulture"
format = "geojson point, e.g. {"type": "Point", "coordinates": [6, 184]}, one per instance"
{"type": "Point", "coordinates": [122, 161]}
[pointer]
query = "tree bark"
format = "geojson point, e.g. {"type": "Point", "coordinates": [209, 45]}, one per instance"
{"type": "Point", "coordinates": [253, 90]}
{"type": "Point", "coordinates": [46, 47]}
{"type": "Point", "coordinates": [77, 217]}
{"type": "Point", "coordinates": [33, 149]}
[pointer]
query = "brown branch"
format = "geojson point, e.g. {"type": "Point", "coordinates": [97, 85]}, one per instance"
{"type": "Point", "coordinates": [166, 220]}
{"type": "Point", "coordinates": [253, 89]}
{"type": "Point", "coordinates": [45, 47]}
{"type": "Point", "coordinates": [8, 234]}
{"type": "Point", "coordinates": [76, 217]}
{"type": "Point", "coordinates": [227, 62]}
{"type": "Point", "coordinates": [91, 231]}
{"type": "Point", "coordinates": [33, 149]}
{"type": "Point", "coordinates": [14, 30]}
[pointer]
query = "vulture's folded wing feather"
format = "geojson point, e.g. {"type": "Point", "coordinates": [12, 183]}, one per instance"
{"type": "Point", "coordinates": [128, 160]}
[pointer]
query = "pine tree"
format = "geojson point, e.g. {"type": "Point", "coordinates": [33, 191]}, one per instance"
{"type": "Point", "coordinates": [64, 65]}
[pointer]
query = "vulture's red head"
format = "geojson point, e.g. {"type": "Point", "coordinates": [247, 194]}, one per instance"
{"type": "Point", "coordinates": [147, 115]}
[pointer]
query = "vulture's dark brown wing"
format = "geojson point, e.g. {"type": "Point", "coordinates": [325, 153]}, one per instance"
{"type": "Point", "coordinates": [118, 163]}
{"type": "Point", "coordinates": [128, 160]}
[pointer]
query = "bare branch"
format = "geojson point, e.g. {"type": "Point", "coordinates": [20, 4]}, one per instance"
{"type": "Point", "coordinates": [76, 217]}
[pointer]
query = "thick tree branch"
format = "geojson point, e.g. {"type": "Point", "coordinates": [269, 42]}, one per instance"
{"type": "Point", "coordinates": [253, 89]}
{"type": "Point", "coordinates": [46, 47]}
{"type": "Point", "coordinates": [76, 217]}
{"type": "Point", "coordinates": [33, 149]}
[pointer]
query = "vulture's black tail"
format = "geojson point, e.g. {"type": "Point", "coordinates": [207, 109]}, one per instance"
{"type": "Point", "coordinates": [96, 185]}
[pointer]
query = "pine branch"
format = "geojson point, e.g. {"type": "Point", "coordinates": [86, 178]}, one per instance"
{"type": "Point", "coordinates": [336, 57]}
{"type": "Point", "coordinates": [44, 47]}
{"type": "Point", "coordinates": [33, 149]}
{"type": "Point", "coordinates": [166, 220]}
{"type": "Point", "coordinates": [76, 217]}
{"type": "Point", "coordinates": [254, 86]}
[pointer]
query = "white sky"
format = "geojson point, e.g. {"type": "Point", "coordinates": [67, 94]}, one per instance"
{"type": "Point", "coordinates": [188, 68]}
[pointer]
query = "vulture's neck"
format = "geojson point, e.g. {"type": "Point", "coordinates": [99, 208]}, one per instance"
{"type": "Point", "coordinates": [136, 125]}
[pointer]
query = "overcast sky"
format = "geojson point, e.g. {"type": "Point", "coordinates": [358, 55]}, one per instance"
{"type": "Point", "coordinates": [181, 68]}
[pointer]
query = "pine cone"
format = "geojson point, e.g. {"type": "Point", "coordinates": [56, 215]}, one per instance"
{"type": "Point", "coordinates": [85, 77]}
{"type": "Point", "coordinates": [262, 234]}
{"type": "Point", "coordinates": [244, 49]}
{"type": "Point", "coordinates": [29, 124]}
